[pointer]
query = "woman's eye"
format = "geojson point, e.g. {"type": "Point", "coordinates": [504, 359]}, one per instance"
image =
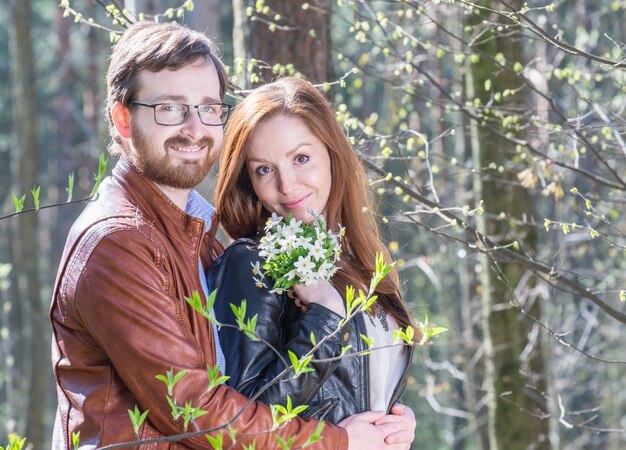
{"type": "Point", "coordinates": [262, 170]}
{"type": "Point", "coordinates": [301, 159]}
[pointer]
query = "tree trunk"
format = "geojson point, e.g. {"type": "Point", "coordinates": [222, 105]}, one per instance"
{"type": "Point", "coordinates": [467, 299]}
{"type": "Point", "coordinates": [205, 17]}
{"type": "Point", "coordinates": [24, 165]}
{"type": "Point", "coordinates": [287, 34]}
{"type": "Point", "coordinates": [145, 6]}
{"type": "Point", "coordinates": [515, 385]}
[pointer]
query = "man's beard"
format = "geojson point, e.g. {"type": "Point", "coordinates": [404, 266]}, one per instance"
{"type": "Point", "coordinates": [185, 175]}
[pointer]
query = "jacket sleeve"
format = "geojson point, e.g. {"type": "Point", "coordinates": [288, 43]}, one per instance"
{"type": "Point", "coordinates": [136, 320]}
{"type": "Point", "coordinates": [254, 366]}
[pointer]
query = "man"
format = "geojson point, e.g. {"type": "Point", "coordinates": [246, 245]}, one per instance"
{"type": "Point", "coordinates": [118, 312]}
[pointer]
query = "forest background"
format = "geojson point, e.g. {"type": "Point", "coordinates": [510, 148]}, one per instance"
{"type": "Point", "coordinates": [493, 132]}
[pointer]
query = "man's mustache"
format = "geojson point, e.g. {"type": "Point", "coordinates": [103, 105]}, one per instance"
{"type": "Point", "coordinates": [179, 141]}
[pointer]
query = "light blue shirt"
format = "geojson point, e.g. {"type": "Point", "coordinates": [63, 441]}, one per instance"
{"type": "Point", "coordinates": [197, 206]}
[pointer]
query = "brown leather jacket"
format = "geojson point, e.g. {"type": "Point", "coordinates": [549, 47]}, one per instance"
{"type": "Point", "coordinates": [119, 318]}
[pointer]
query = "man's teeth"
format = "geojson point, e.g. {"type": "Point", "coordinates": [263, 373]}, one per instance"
{"type": "Point", "coordinates": [187, 149]}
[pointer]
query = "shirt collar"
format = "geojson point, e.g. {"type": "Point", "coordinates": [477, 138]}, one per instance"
{"type": "Point", "coordinates": [199, 207]}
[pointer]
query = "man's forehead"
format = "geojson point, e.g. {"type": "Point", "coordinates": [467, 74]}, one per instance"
{"type": "Point", "coordinates": [196, 80]}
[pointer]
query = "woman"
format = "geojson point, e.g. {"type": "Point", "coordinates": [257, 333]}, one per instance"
{"type": "Point", "coordinates": [285, 153]}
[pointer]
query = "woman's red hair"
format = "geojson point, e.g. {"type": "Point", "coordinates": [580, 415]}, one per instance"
{"type": "Point", "coordinates": [242, 215]}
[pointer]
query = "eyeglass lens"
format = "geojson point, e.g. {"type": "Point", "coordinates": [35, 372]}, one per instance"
{"type": "Point", "coordinates": [175, 114]}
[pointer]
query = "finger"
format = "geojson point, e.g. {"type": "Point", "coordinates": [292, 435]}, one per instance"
{"type": "Point", "coordinates": [398, 409]}
{"type": "Point", "coordinates": [398, 447]}
{"type": "Point", "coordinates": [402, 437]}
{"type": "Point", "coordinates": [391, 419]}
{"type": "Point", "coordinates": [391, 428]}
{"type": "Point", "coordinates": [368, 416]}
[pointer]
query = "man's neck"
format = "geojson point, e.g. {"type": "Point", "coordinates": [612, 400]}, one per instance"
{"type": "Point", "coordinates": [180, 197]}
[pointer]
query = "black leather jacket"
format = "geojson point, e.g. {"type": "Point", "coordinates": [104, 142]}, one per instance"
{"type": "Point", "coordinates": [333, 390]}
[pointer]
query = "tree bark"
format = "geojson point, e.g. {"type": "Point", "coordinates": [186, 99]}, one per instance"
{"type": "Point", "coordinates": [145, 6]}
{"type": "Point", "coordinates": [205, 17]}
{"type": "Point", "coordinates": [24, 166]}
{"type": "Point", "coordinates": [515, 385]}
{"type": "Point", "coordinates": [301, 37]}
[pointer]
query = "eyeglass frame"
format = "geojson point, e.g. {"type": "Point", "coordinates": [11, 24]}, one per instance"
{"type": "Point", "coordinates": [186, 116]}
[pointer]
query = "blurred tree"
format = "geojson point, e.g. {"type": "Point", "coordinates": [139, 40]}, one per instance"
{"type": "Point", "coordinates": [526, 102]}
{"type": "Point", "coordinates": [516, 417]}
{"type": "Point", "coordinates": [283, 32]}
{"type": "Point", "coordinates": [29, 329]}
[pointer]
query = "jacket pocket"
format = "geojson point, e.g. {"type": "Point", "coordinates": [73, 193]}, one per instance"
{"type": "Point", "coordinates": [320, 410]}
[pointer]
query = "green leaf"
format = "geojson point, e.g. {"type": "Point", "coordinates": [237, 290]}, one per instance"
{"type": "Point", "coordinates": [70, 187]}
{"type": "Point", "coordinates": [170, 379]}
{"type": "Point", "coordinates": [622, 296]}
{"type": "Point", "coordinates": [285, 445]}
{"type": "Point", "coordinates": [437, 330]}
{"type": "Point", "coordinates": [190, 412]}
{"type": "Point", "coordinates": [232, 433]}
{"type": "Point", "coordinates": [76, 440]}
{"type": "Point", "coordinates": [546, 223]}
{"type": "Point", "coordinates": [18, 203]}
{"type": "Point", "coordinates": [316, 436]}
{"type": "Point", "coordinates": [15, 442]}
{"type": "Point", "coordinates": [214, 378]}
{"type": "Point", "coordinates": [102, 166]}
{"type": "Point", "coordinates": [137, 419]}
{"type": "Point", "coordinates": [35, 193]}
{"type": "Point", "coordinates": [174, 407]}
{"type": "Point", "coordinates": [216, 442]}
{"type": "Point", "coordinates": [369, 341]}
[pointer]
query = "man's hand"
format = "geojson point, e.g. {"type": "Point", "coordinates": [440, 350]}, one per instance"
{"type": "Point", "coordinates": [404, 416]}
{"type": "Point", "coordinates": [370, 429]}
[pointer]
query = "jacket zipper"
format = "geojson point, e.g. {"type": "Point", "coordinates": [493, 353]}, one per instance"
{"type": "Point", "coordinates": [359, 326]}
{"type": "Point", "coordinates": [402, 383]}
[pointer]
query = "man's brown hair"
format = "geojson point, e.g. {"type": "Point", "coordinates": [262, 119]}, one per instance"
{"type": "Point", "coordinates": [154, 47]}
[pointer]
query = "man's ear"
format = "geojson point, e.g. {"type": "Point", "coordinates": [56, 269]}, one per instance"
{"type": "Point", "coordinates": [121, 119]}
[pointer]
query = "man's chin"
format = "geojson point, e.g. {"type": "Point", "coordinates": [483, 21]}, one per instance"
{"type": "Point", "coordinates": [183, 176]}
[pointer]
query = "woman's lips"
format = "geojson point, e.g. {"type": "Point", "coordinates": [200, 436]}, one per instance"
{"type": "Point", "coordinates": [296, 203]}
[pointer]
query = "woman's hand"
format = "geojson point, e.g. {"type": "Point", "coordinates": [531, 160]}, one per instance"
{"type": "Point", "coordinates": [403, 415]}
{"type": "Point", "coordinates": [322, 293]}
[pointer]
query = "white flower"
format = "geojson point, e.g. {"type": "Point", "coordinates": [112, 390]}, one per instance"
{"type": "Point", "coordinates": [259, 282]}
{"type": "Point", "coordinates": [311, 278]}
{"type": "Point", "coordinates": [326, 268]}
{"type": "Point", "coordinates": [272, 221]}
{"type": "Point", "coordinates": [287, 244]}
{"type": "Point", "coordinates": [294, 226]}
{"type": "Point", "coordinates": [302, 241]}
{"type": "Point", "coordinates": [256, 269]}
{"type": "Point", "coordinates": [304, 265]}
{"type": "Point", "coordinates": [317, 251]}
{"type": "Point", "coordinates": [268, 253]}
{"type": "Point", "coordinates": [296, 252]}
{"type": "Point", "coordinates": [291, 274]}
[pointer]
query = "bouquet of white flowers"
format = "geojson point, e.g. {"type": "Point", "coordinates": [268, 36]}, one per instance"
{"type": "Point", "coordinates": [296, 252]}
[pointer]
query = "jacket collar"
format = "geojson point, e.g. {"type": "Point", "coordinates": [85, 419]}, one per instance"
{"type": "Point", "coordinates": [158, 208]}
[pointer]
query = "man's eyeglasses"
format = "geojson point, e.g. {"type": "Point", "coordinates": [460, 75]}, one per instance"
{"type": "Point", "coordinates": [170, 114]}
